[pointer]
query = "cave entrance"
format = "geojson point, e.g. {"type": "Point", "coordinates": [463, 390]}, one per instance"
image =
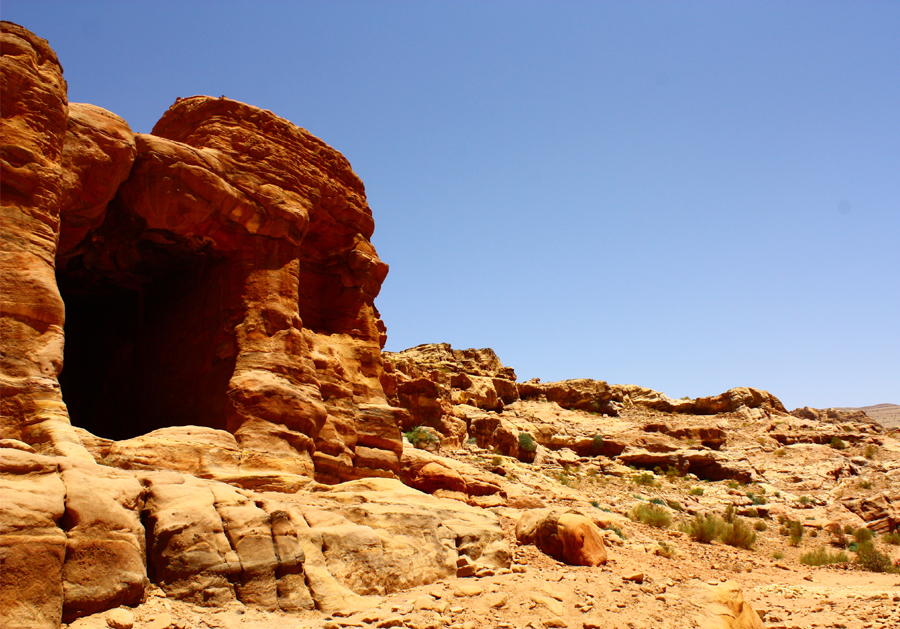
{"type": "Point", "coordinates": [156, 349]}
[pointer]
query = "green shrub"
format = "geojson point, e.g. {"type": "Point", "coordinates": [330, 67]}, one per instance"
{"type": "Point", "coordinates": [651, 514]}
{"type": "Point", "coordinates": [778, 555]}
{"type": "Point", "coordinates": [667, 550]}
{"type": "Point", "coordinates": [497, 460]}
{"type": "Point", "coordinates": [760, 526]}
{"type": "Point", "coordinates": [795, 530]}
{"type": "Point", "coordinates": [645, 480]}
{"type": "Point", "coordinates": [526, 442]}
{"type": "Point", "coordinates": [871, 560]}
{"type": "Point", "coordinates": [674, 505]}
{"type": "Point", "coordinates": [756, 499]}
{"type": "Point", "coordinates": [672, 473]}
{"type": "Point", "coordinates": [595, 504]}
{"type": "Point", "coordinates": [657, 501]}
{"type": "Point", "coordinates": [863, 535]}
{"type": "Point", "coordinates": [729, 514]}
{"type": "Point", "coordinates": [822, 557]}
{"type": "Point", "coordinates": [865, 484]}
{"type": "Point", "coordinates": [733, 484]}
{"type": "Point", "coordinates": [418, 437]}
{"type": "Point", "coordinates": [837, 535]}
{"type": "Point", "coordinates": [615, 529]}
{"type": "Point", "coordinates": [805, 500]}
{"type": "Point", "coordinates": [696, 491]}
{"type": "Point", "coordinates": [837, 443]}
{"type": "Point", "coordinates": [870, 451]}
{"type": "Point", "coordinates": [704, 528]}
{"type": "Point", "coordinates": [891, 538]}
{"type": "Point", "coordinates": [738, 534]}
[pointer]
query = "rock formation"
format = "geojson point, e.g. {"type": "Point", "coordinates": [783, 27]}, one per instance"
{"type": "Point", "coordinates": [217, 272]}
{"type": "Point", "coordinates": [199, 427]}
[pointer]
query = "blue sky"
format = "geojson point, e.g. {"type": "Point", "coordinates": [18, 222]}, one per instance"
{"type": "Point", "coordinates": [689, 196]}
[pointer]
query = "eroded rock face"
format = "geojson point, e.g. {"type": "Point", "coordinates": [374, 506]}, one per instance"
{"type": "Point", "coordinates": [217, 272]}
{"type": "Point", "coordinates": [34, 110]}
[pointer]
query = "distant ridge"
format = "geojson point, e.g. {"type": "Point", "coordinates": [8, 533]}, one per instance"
{"type": "Point", "coordinates": [888, 415]}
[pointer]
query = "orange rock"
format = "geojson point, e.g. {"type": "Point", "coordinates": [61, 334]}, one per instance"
{"type": "Point", "coordinates": [34, 111]}
{"type": "Point", "coordinates": [218, 272]}
{"type": "Point", "coordinates": [566, 536]}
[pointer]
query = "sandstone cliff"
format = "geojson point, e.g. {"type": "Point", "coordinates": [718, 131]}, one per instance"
{"type": "Point", "coordinates": [217, 272]}
{"type": "Point", "coordinates": [196, 413]}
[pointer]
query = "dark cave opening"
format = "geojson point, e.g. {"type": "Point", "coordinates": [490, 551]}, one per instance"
{"type": "Point", "coordinates": [141, 355]}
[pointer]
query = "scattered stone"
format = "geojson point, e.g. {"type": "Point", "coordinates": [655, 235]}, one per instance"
{"type": "Point", "coordinates": [120, 618]}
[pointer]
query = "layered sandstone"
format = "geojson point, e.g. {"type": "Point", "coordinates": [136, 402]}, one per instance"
{"type": "Point", "coordinates": [217, 272]}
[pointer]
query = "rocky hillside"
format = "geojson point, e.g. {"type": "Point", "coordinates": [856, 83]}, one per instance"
{"type": "Point", "coordinates": [200, 429]}
{"type": "Point", "coordinates": [888, 415]}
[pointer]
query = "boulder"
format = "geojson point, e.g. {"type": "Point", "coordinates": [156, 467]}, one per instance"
{"type": "Point", "coordinates": [32, 546]}
{"type": "Point", "coordinates": [567, 536]}
{"type": "Point", "coordinates": [720, 606]}
{"type": "Point", "coordinates": [431, 472]}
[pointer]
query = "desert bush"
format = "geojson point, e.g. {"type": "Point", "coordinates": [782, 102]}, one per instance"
{"type": "Point", "coordinates": [780, 452]}
{"type": "Point", "coordinates": [778, 555]}
{"type": "Point", "coordinates": [892, 538]}
{"type": "Point", "coordinates": [760, 526]}
{"type": "Point", "coordinates": [595, 504]}
{"type": "Point", "coordinates": [418, 437]}
{"type": "Point", "coordinates": [729, 514]}
{"type": "Point", "coordinates": [863, 535]}
{"type": "Point", "coordinates": [696, 491]}
{"type": "Point", "coordinates": [738, 534]}
{"type": "Point", "coordinates": [615, 529]}
{"type": "Point", "coordinates": [526, 442]}
{"type": "Point", "coordinates": [837, 535]}
{"type": "Point", "coordinates": [805, 500]}
{"type": "Point", "coordinates": [672, 473]}
{"type": "Point", "coordinates": [645, 480]}
{"type": "Point", "coordinates": [667, 550]}
{"type": "Point", "coordinates": [822, 557]}
{"type": "Point", "coordinates": [865, 484]}
{"type": "Point", "coordinates": [757, 499]}
{"type": "Point", "coordinates": [795, 532]}
{"type": "Point", "coordinates": [870, 559]}
{"type": "Point", "coordinates": [870, 451]}
{"type": "Point", "coordinates": [704, 528]}
{"type": "Point", "coordinates": [597, 444]}
{"type": "Point", "coordinates": [651, 514]}
{"type": "Point", "coordinates": [733, 484]}
{"type": "Point", "coordinates": [674, 505]}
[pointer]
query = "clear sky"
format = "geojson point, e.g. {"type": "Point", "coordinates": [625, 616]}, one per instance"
{"type": "Point", "coordinates": [689, 196]}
